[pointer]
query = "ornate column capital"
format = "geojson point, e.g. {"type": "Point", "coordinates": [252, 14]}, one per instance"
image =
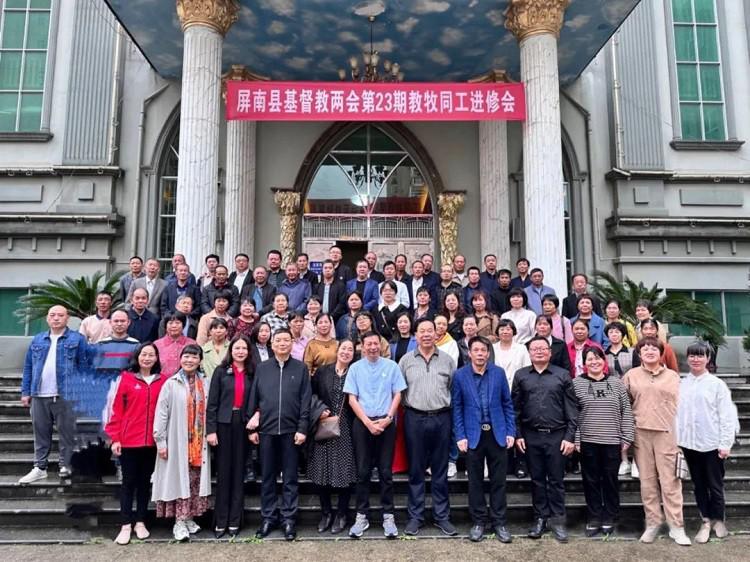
{"type": "Point", "coordinates": [219, 15]}
{"type": "Point", "coordinates": [493, 76]}
{"type": "Point", "coordinates": [532, 17]}
{"type": "Point", "coordinates": [240, 73]}
{"type": "Point", "coordinates": [449, 204]}
{"type": "Point", "coordinates": [288, 203]}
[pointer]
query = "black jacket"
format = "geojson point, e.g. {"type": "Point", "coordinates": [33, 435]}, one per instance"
{"type": "Point", "coordinates": [257, 360]}
{"type": "Point", "coordinates": [267, 292]}
{"type": "Point", "coordinates": [221, 398]}
{"type": "Point", "coordinates": [322, 387]}
{"type": "Point", "coordinates": [560, 356]}
{"type": "Point", "coordinates": [170, 295]}
{"type": "Point", "coordinates": [385, 319]}
{"type": "Point", "coordinates": [343, 273]}
{"type": "Point", "coordinates": [570, 306]}
{"type": "Point", "coordinates": [209, 294]}
{"type": "Point", "coordinates": [336, 298]}
{"type": "Point", "coordinates": [499, 300]}
{"type": "Point", "coordinates": [312, 278]}
{"type": "Point", "coordinates": [281, 391]}
{"type": "Point", "coordinates": [376, 275]}
{"type": "Point", "coordinates": [248, 279]}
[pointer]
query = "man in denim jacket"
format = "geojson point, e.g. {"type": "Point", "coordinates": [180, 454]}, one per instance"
{"type": "Point", "coordinates": [53, 358]}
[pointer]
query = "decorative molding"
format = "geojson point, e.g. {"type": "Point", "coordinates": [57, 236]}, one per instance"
{"type": "Point", "coordinates": [288, 202]}
{"type": "Point", "coordinates": [671, 176]}
{"type": "Point", "coordinates": [40, 136]}
{"type": "Point", "coordinates": [45, 225]}
{"type": "Point", "coordinates": [240, 73]}
{"type": "Point", "coordinates": [219, 15]}
{"type": "Point", "coordinates": [533, 17]}
{"type": "Point", "coordinates": [708, 146]}
{"type": "Point", "coordinates": [660, 228]}
{"type": "Point", "coordinates": [495, 75]}
{"type": "Point", "coordinates": [449, 204]}
{"type": "Point", "coordinates": [29, 171]}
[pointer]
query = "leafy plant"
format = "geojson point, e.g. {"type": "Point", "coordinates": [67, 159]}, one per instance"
{"type": "Point", "coordinates": [668, 308]}
{"type": "Point", "coordinates": [77, 295]}
{"type": "Point", "coordinates": [746, 341]}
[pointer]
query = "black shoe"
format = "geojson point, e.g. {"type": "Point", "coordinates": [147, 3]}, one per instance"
{"type": "Point", "coordinates": [608, 530]}
{"type": "Point", "coordinates": [446, 527]}
{"type": "Point", "coordinates": [476, 533]}
{"type": "Point", "coordinates": [233, 532]}
{"type": "Point", "coordinates": [592, 529]}
{"type": "Point", "coordinates": [290, 531]}
{"type": "Point", "coordinates": [576, 469]}
{"type": "Point", "coordinates": [250, 475]}
{"type": "Point", "coordinates": [218, 533]}
{"type": "Point", "coordinates": [503, 534]}
{"type": "Point", "coordinates": [536, 532]}
{"type": "Point", "coordinates": [412, 527]}
{"type": "Point", "coordinates": [339, 524]}
{"type": "Point", "coordinates": [325, 522]}
{"type": "Point", "coordinates": [520, 473]}
{"type": "Point", "coordinates": [561, 535]}
{"type": "Point", "coordinates": [265, 529]}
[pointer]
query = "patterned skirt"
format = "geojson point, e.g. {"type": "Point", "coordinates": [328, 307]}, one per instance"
{"type": "Point", "coordinates": [183, 509]}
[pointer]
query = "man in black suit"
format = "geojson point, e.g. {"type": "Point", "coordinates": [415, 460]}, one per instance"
{"type": "Point", "coordinates": [178, 287]}
{"type": "Point", "coordinates": [261, 292]}
{"type": "Point", "coordinates": [331, 292]}
{"type": "Point", "coordinates": [343, 271]}
{"type": "Point", "coordinates": [580, 285]}
{"type": "Point", "coordinates": [372, 261]}
{"type": "Point", "coordinates": [221, 281]}
{"type": "Point", "coordinates": [303, 261]}
{"type": "Point", "coordinates": [431, 278]}
{"type": "Point", "coordinates": [241, 277]}
{"type": "Point", "coordinates": [499, 295]}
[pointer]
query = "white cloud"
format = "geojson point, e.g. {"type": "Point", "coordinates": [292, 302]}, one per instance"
{"type": "Point", "coordinates": [407, 25]}
{"type": "Point", "coordinates": [247, 17]}
{"type": "Point", "coordinates": [451, 37]}
{"type": "Point", "coordinates": [614, 11]}
{"type": "Point", "coordinates": [473, 3]}
{"type": "Point", "coordinates": [385, 46]}
{"type": "Point", "coordinates": [496, 17]}
{"type": "Point", "coordinates": [439, 57]}
{"type": "Point", "coordinates": [298, 63]}
{"type": "Point", "coordinates": [578, 22]}
{"type": "Point", "coordinates": [277, 27]}
{"type": "Point", "coordinates": [430, 6]}
{"type": "Point", "coordinates": [273, 49]}
{"type": "Point", "coordinates": [280, 7]}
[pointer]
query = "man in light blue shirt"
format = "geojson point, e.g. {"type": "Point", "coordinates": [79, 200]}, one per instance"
{"type": "Point", "coordinates": [374, 386]}
{"type": "Point", "coordinates": [537, 291]}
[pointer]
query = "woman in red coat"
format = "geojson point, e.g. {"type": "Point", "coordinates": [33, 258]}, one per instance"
{"type": "Point", "coordinates": [580, 329]}
{"type": "Point", "coordinates": [131, 428]}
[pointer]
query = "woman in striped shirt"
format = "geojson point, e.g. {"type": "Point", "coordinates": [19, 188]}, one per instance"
{"type": "Point", "coordinates": [605, 427]}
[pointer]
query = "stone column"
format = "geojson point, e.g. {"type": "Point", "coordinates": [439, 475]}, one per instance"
{"type": "Point", "coordinates": [204, 24]}
{"type": "Point", "coordinates": [239, 194]}
{"type": "Point", "coordinates": [288, 203]}
{"type": "Point", "coordinates": [449, 204]}
{"type": "Point", "coordinates": [494, 195]}
{"type": "Point", "coordinates": [536, 25]}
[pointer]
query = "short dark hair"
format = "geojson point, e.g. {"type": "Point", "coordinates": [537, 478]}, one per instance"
{"type": "Point", "coordinates": [335, 246]}
{"type": "Point", "coordinates": [473, 268]}
{"type": "Point", "coordinates": [543, 318]}
{"type": "Point", "coordinates": [580, 321]}
{"type": "Point", "coordinates": [519, 260]}
{"type": "Point", "coordinates": [282, 330]}
{"type": "Point", "coordinates": [489, 256]}
{"type": "Point", "coordinates": [645, 304]}
{"type": "Point", "coordinates": [649, 340]}
{"type": "Point", "coordinates": [586, 296]}
{"type": "Point", "coordinates": [222, 266]}
{"type": "Point", "coordinates": [551, 298]}
{"type": "Point", "coordinates": [139, 258]}
{"type": "Point", "coordinates": [295, 316]}
{"type": "Point", "coordinates": [314, 298]}
{"type": "Point", "coordinates": [504, 271]}
{"type": "Point", "coordinates": [134, 367]}
{"type": "Point", "coordinates": [650, 322]}
{"type": "Point", "coordinates": [506, 322]}
{"type": "Point", "coordinates": [516, 291]}
{"type": "Point", "coordinates": [225, 294]}
{"type": "Point", "coordinates": [256, 331]}
{"type": "Point", "coordinates": [302, 255]}
{"type": "Point", "coordinates": [390, 284]}
{"type": "Point", "coordinates": [619, 326]}
{"type": "Point", "coordinates": [105, 293]}
{"type": "Point", "coordinates": [401, 256]}
{"type": "Point", "coordinates": [242, 255]}
{"type": "Point", "coordinates": [171, 316]}
{"type": "Point", "coordinates": [536, 270]}
{"type": "Point", "coordinates": [579, 274]}
{"type": "Point", "coordinates": [423, 320]}
{"type": "Point", "coordinates": [480, 339]}
{"type": "Point", "coordinates": [328, 260]}
{"type": "Point", "coordinates": [323, 315]}
{"type": "Point", "coordinates": [192, 349]}
{"type": "Point", "coordinates": [427, 254]}
{"type": "Point", "coordinates": [700, 348]}
{"type": "Point", "coordinates": [539, 338]}
{"type": "Point", "coordinates": [217, 323]}
{"type": "Point", "coordinates": [273, 252]}
{"type": "Point", "coordinates": [389, 262]}
{"type": "Point", "coordinates": [369, 334]}
{"type": "Point", "coordinates": [209, 256]}
{"type": "Point", "coordinates": [593, 349]}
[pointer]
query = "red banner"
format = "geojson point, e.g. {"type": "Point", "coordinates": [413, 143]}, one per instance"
{"type": "Point", "coordinates": [354, 101]}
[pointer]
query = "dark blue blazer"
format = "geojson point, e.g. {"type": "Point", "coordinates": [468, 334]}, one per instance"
{"type": "Point", "coordinates": [170, 295]}
{"type": "Point", "coordinates": [371, 296]}
{"type": "Point", "coordinates": [467, 409]}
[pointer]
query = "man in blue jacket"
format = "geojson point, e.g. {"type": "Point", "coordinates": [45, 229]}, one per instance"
{"type": "Point", "coordinates": [54, 360]}
{"type": "Point", "coordinates": [484, 426]}
{"type": "Point", "coordinates": [365, 286]}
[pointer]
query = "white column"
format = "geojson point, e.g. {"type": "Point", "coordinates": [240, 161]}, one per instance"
{"type": "Point", "coordinates": [544, 227]}
{"type": "Point", "coordinates": [204, 24]}
{"type": "Point", "coordinates": [494, 198]}
{"type": "Point", "coordinates": [239, 203]}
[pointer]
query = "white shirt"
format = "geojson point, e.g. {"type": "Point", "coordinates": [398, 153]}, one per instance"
{"type": "Point", "coordinates": [48, 384]}
{"type": "Point", "coordinates": [150, 286]}
{"type": "Point", "coordinates": [402, 295]}
{"type": "Point", "coordinates": [706, 416]}
{"type": "Point", "coordinates": [415, 285]}
{"type": "Point", "coordinates": [511, 359]}
{"type": "Point", "coordinates": [240, 279]}
{"type": "Point", "coordinates": [451, 348]}
{"type": "Point", "coordinates": [525, 322]}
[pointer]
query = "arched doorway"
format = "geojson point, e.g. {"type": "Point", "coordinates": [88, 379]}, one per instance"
{"type": "Point", "coordinates": [368, 187]}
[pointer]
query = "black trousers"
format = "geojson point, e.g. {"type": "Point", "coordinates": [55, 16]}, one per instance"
{"type": "Point", "coordinates": [707, 474]}
{"type": "Point", "coordinates": [325, 493]}
{"type": "Point", "coordinates": [137, 465]}
{"type": "Point", "coordinates": [547, 470]}
{"type": "Point", "coordinates": [374, 450]}
{"type": "Point", "coordinates": [428, 443]}
{"type": "Point", "coordinates": [278, 453]}
{"type": "Point", "coordinates": [599, 466]}
{"type": "Point", "coordinates": [230, 459]}
{"type": "Point", "coordinates": [497, 465]}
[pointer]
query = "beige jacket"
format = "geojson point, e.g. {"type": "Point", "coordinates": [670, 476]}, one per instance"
{"type": "Point", "coordinates": [654, 397]}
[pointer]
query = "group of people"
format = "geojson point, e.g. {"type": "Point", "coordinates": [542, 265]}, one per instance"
{"type": "Point", "coordinates": [360, 372]}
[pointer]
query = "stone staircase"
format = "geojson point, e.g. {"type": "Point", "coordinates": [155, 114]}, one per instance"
{"type": "Point", "coordinates": [51, 506]}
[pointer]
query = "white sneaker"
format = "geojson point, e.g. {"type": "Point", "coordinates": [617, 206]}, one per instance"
{"type": "Point", "coordinates": [452, 471]}
{"type": "Point", "coordinates": [720, 529]}
{"type": "Point", "coordinates": [123, 537]}
{"type": "Point", "coordinates": [678, 535]}
{"type": "Point", "coordinates": [361, 524]}
{"type": "Point", "coordinates": [34, 475]}
{"type": "Point", "coordinates": [634, 471]}
{"type": "Point", "coordinates": [192, 527]}
{"type": "Point", "coordinates": [625, 468]}
{"type": "Point", "coordinates": [180, 531]}
{"type": "Point", "coordinates": [649, 535]}
{"type": "Point", "coordinates": [704, 533]}
{"type": "Point", "coordinates": [64, 472]}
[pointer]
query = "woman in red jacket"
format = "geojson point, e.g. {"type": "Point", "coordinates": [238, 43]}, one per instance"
{"type": "Point", "coordinates": [131, 429]}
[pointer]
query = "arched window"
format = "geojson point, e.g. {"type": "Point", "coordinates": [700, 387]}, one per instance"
{"type": "Point", "coordinates": [368, 186]}
{"type": "Point", "coordinates": [167, 202]}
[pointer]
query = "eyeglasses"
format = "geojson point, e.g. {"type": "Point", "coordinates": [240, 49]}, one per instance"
{"type": "Point", "coordinates": [538, 349]}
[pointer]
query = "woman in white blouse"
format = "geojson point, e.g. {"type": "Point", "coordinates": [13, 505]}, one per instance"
{"type": "Point", "coordinates": [523, 318]}
{"type": "Point", "coordinates": [509, 355]}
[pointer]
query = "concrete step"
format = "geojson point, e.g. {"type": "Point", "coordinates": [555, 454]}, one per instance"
{"type": "Point", "coordinates": [10, 393]}
{"type": "Point", "coordinates": [50, 512]}
{"type": "Point", "coordinates": [21, 424]}
{"type": "Point", "coordinates": [10, 379]}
